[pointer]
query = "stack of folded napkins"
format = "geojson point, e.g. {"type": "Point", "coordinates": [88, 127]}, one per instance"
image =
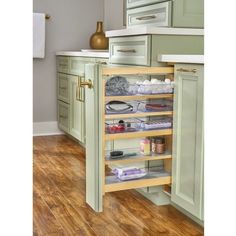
{"type": "Point", "coordinates": [128, 173]}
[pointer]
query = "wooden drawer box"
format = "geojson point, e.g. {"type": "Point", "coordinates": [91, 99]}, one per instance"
{"type": "Point", "coordinates": [62, 64]}
{"type": "Point", "coordinates": [130, 50]}
{"type": "Point", "coordinates": [63, 87]}
{"type": "Point", "coordinates": [64, 116]}
{"type": "Point", "coordinates": [154, 15]}
{"type": "Point", "coordinates": [139, 3]}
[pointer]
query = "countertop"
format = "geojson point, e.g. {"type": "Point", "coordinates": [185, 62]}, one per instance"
{"type": "Point", "coordinates": [102, 54]}
{"type": "Point", "coordinates": [194, 59]}
{"type": "Point", "coordinates": [153, 30]}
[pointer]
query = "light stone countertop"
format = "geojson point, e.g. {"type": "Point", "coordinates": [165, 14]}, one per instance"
{"type": "Point", "coordinates": [153, 30]}
{"type": "Point", "coordinates": [193, 59]}
{"type": "Point", "coordinates": [102, 54]}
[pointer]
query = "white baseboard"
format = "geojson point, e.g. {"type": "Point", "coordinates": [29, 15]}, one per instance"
{"type": "Point", "coordinates": [46, 128]}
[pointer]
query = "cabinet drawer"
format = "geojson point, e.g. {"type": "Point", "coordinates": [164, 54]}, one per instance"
{"type": "Point", "coordinates": [63, 64]}
{"type": "Point", "coordinates": [154, 15]}
{"type": "Point", "coordinates": [64, 116]}
{"type": "Point", "coordinates": [76, 65]}
{"type": "Point", "coordinates": [139, 3]}
{"type": "Point", "coordinates": [130, 50]}
{"type": "Point", "coordinates": [63, 87]}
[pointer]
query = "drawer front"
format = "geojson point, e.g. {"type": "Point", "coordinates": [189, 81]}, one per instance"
{"type": "Point", "coordinates": [154, 15]}
{"type": "Point", "coordinates": [63, 87]}
{"type": "Point", "coordinates": [130, 50]}
{"type": "Point", "coordinates": [64, 116]}
{"type": "Point", "coordinates": [76, 65]}
{"type": "Point", "coordinates": [140, 3]}
{"type": "Point", "coordinates": [62, 64]}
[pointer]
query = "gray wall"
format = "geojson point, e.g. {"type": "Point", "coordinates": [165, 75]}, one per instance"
{"type": "Point", "coordinates": [113, 14]}
{"type": "Point", "coordinates": [70, 27]}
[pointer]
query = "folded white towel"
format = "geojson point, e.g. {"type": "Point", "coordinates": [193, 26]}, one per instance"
{"type": "Point", "coordinates": [38, 35]}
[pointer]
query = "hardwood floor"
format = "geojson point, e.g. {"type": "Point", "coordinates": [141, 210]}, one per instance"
{"type": "Point", "coordinates": [60, 208]}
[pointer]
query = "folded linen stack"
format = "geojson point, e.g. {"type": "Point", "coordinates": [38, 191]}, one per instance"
{"type": "Point", "coordinates": [128, 173]}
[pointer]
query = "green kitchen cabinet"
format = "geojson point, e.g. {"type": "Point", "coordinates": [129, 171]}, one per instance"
{"type": "Point", "coordinates": [187, 163]}
{"type": "Point", "coordinates": [172, 13]}
{"type": "Point", "coordinates": [188, 13]}
{"type": "Point", "coordinates": [71, 96]}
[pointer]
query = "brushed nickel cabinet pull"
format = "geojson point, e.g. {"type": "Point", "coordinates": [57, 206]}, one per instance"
{"type": "Point", "coordinates": [146, 17]}
{"type": "Point", "coordinates": [127, 50]}
{"type": "Point", "coordinates": [187, 70]}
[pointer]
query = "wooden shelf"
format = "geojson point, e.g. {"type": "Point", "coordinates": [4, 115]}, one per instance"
{"type": "Point", "coordinates": [153, 178]}
{"type": "Point", "coordinates": [108, 71]}
{"type": "Point", "coordinates": [138, 97]}
{"type": "Point", "coordinates": [138, 134]}
{"type": "Point", "coordinates": [138, 114]}
{"type": "Point", "coordinates": [138, 158]}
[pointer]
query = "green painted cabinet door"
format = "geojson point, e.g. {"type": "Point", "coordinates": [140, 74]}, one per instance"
{"type": "Point", "coordinates": [188, 13]}
{"type": "Point", "coordinates": [93, 152]}
{"type": "Point", "coordinates": [187, 165]}
{"type": "Point", "coordinates": [77, 110]}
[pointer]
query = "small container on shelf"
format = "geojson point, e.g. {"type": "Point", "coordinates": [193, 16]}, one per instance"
{"type": "Point", "coordinates": [157, 105]}
{"type": "Point", "coordinates": [122, 126]}
{"type": "Point", "coordinates": [155, 86]}
{"type": "Point", "coordinates": [157, 123]}
{"type": "Point", "coordinates": [160, 145]}
{"type": "Point", "coordinates": [145, 147]}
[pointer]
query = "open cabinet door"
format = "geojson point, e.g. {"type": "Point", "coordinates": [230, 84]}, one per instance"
{"type": "Point", "coordinates": [92, 119]}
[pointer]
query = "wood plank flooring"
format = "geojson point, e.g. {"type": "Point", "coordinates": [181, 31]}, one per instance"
{"type": "Point", "coordinates": [60, 208]}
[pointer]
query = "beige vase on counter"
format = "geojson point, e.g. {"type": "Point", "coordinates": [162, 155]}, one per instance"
{"type": "Point", "coordinates": [98, 40]}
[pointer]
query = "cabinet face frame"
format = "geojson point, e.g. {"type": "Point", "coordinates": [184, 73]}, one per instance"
{"type": "Point", "coordinates": [187, 168]}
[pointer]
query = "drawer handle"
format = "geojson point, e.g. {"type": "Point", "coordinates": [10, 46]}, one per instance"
{"type": "Point", "coordinates": [88, 83]}
{"type": "Point", "coordinates": [127, 50]}
{"type": "Point", "coordinates": [146, 17]}
{"type": "Point", "coordinates": [63, 117]}
{"type": "Point", "coordinates": [63, 87]}
{"type": "Point", "coordinates": [80, 96]}
{"type": "Point", "coordinates": [187, 70]}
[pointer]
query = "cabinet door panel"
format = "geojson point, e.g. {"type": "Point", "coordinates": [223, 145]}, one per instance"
{"type": "Point", "coordinates": [93, 131]}
{"type": "Point", "coordinates": [188, 13]}
{"type": "Point", "coordinates": [188, 139]}
{"type": "Point", "coordinates": [77, 110]}
{"type": "Point", "coordinates": [63, 87]}
{"type": "Point", "coordinates": [64, 116]}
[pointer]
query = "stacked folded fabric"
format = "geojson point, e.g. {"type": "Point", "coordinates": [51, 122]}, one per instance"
{"type": "Point", "coordinates": [129, 173]}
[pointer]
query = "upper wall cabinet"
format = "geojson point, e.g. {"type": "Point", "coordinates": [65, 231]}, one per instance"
{"type": "Point", "coordinates": [188, 13]}
{"type": "Point", "coordinates": [139, 3]}
{"type": "Point", "coordinates": [166, 13]}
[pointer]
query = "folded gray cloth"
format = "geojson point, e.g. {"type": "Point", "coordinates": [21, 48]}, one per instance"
{"type": "Point", "coordinates": [117, 85]}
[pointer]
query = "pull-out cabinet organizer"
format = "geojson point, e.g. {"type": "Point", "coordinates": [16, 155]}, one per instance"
{"type": "Point", "coordinates": [99, 163]}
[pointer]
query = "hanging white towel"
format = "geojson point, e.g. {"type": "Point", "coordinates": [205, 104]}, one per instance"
{"type": "Point", "coordinates": [38, 35]}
